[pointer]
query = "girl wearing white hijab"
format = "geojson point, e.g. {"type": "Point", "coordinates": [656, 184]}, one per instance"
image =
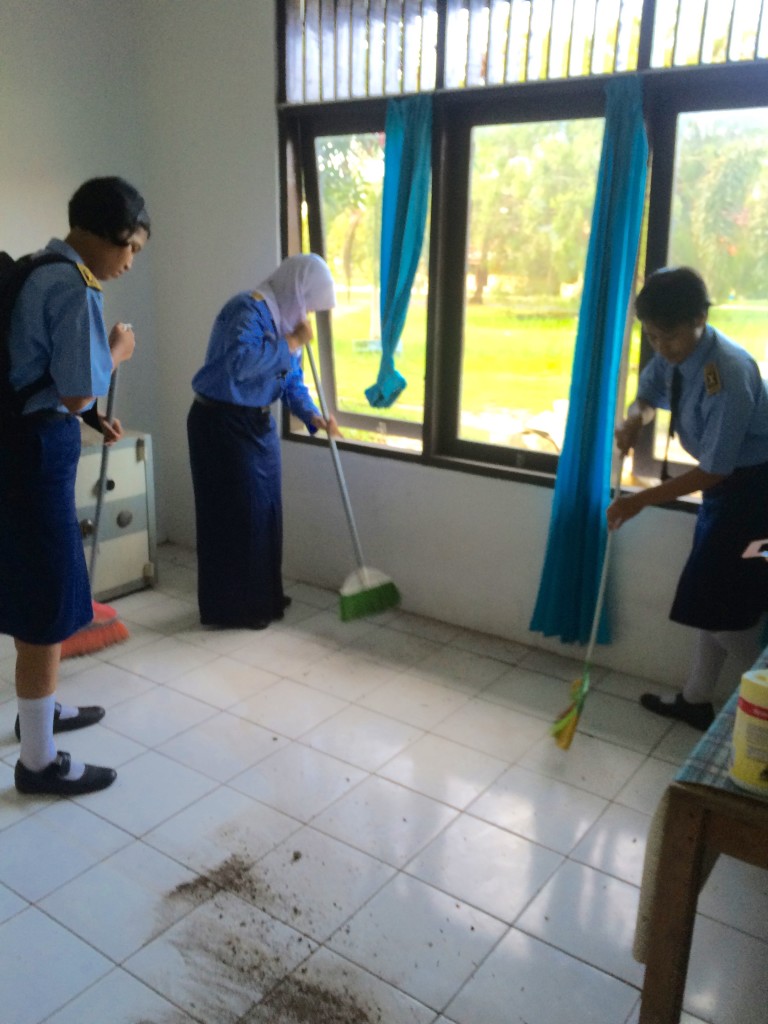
{"type": "Point", "coordinates": [253, 358]}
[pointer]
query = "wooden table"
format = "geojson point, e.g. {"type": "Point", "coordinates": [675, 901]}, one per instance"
{"type": "Point", "coordinates": [701, 815]}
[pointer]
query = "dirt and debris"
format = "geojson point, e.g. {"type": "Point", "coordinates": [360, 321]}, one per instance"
{"type": "Point", "coordinates": [296, 1001]}
{"type": "Point", "coordinates": [233, 875]}
{"type": "Point", "coordinates": [234, 958]}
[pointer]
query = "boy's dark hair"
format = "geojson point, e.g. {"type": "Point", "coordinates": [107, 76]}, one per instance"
{"type": "Point", "coordinates": [672, 296]}
{"type": "Point", "coordinates": [109, 208]}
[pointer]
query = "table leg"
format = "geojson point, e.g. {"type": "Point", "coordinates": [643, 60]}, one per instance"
{"type": "Point", "coordinates": [680, 875]}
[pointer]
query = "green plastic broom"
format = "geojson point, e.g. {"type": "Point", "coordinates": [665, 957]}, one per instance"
{"type": "Point", "coordinates": [365, 591]}
{"type": "Point", "coordinates": [564, 727]}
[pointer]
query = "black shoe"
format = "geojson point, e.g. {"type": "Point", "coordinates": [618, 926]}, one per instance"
{"type": "Point", "coordinates": [51, 779]}
{"type": "Point", "coordinates": [285, 603]}
{"type": "Point", "coordinates": [699, 716]}
{"type": "Point", "coordinates": [253, 624]}
{"type": "Point", "coordinates": [84, 717]}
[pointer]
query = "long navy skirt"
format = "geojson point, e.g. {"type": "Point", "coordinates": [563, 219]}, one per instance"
{"type": "Point", "coordinates": [45, 595]}
{"type": "Point", "coordinates": [718, 589]}
{"type": "Point", "coordinates": [234, 454]}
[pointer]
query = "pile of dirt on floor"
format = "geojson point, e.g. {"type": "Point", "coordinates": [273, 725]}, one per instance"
{"type": "Point", "coordinates": [234, 875]}
{"type": "Point", "coordinates": [296, 1001]}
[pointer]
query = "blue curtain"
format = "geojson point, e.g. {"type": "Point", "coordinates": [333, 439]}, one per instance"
{"type": "Point", "coordinates": [565, 604]}
{"type": "Point", "coordinates": [407, 167]}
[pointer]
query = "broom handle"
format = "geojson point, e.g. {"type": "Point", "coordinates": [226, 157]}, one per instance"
{"type": "Point", "coordinates": [337, 464]}
{"type": "Point", "coordinates": [603, 573]}
{"type": "Point", "coordinates": [102, 485]}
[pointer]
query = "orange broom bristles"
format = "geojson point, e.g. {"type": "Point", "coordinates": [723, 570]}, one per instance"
{"type": "Point", "coordinates": [104, 630]}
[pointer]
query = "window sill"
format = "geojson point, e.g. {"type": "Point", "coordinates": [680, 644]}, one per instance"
{"type": "Point", "coordinates": [689, 503]}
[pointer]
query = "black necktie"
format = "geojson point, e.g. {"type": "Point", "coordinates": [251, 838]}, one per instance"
{"type": "Point", "coordinates": [674, 400]}
{"type": "Point", "coordinates": [674, 410]}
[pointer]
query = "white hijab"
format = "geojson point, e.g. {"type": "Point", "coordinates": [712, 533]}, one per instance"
{"type": "Point", "coordinates": [301, 284]}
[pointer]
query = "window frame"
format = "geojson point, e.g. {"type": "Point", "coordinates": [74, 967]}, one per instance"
{"type": "Point", "coordinates": [456, 115]}
{"type": "Point", "coordinates": [695, 90]}
{"type": "Point", "coordinates": [667, 92]}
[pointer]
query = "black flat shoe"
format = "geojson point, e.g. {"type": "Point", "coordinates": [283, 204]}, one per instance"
{"type": "Point", "coordinates": [84, 717]}
{"type": "Point", "coordinates": [254, 624]}
{"type": "Point", "coordinates": [699, 716]}
{"type": "Point", "coordinates": [51, 779]}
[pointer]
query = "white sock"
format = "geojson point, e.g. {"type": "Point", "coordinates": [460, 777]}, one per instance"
{"type": "Point", "coordinates": [76, 771]}
{"type": "Point", "coordinates": [36, 726]}
{"type": "Point", "coordinates": [665, 698]}
{"type": "Point", "coordinates": [68, 711]}
{"type": "Point", "coordinates": [743, 645]}
{"type": "Point", "coordinates": [708, 659]}
{"type": "Point", "coordinates": [38, 749]}
{"type": "Point", "coordinates": [709, 655]}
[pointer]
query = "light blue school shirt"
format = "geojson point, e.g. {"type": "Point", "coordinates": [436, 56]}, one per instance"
{"type": "Point", "coordinates": [248, 363]}
{"type": "Point", "coordinates": [722, 417]}
{"type": "Point", "coordinates": [58, 325]}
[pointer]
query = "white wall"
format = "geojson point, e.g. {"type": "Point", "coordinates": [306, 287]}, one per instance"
{"type": "Point", "coordinates": [208, 72]}
{"type": "Point", "coordinates": [469, 550]}
{"type": "Point", "coordinates": [70, 110]}
{"type": "Point", "coordinates": [178, 97]}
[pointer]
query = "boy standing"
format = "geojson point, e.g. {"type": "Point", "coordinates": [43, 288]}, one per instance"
{"type": "Point", "coordinates": [61, 354]}
{"type": "Point", "coordinates": [719, 409]}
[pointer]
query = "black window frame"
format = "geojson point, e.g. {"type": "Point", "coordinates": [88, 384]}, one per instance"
{"type": "Point", "coordinates": [667, 92]}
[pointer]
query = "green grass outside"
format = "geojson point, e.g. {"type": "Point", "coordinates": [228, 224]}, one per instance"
{"type": "Point", "coordinates": [512, 361]}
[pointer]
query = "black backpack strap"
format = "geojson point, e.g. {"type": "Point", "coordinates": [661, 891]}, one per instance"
{"type": "Point", "coordinates": [15, 274]}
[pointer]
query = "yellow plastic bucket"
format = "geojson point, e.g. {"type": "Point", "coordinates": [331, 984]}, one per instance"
{"type": "Point", "coordinates": [749, 767]}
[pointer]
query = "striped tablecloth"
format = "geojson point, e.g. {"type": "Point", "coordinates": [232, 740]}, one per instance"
{"type": "Point", "coordinates": [710, 759]}
{"type": "Point", "coordinates": [706, 765]}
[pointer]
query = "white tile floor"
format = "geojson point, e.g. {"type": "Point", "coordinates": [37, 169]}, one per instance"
{"type": "Point", "coordinates": [361, 823]}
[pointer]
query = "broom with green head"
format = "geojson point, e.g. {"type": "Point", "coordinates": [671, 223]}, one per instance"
{"type": "Point", "coordinates": [366, 590]}
{"type": "Point", "coordinates": [564, 726]}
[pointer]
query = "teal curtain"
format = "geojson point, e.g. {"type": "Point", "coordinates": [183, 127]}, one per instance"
{"type": "Point", "coordinates": [567, 596]}
{"type": "Point", "coordinates": [407, 168]}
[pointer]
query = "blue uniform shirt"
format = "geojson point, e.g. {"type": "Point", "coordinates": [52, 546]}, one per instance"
{"type": "Point", "coordinates": [723, 412]}
{"type": "Point", "coordinates": [248, 364]}
{"type": "Point", "coordinates": [58, 325]}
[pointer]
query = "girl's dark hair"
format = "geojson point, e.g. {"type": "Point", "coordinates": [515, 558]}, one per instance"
{"type": "Point", "coordinates": [109, 208]}
{"type": "Point", "coordinates": [672, 296]}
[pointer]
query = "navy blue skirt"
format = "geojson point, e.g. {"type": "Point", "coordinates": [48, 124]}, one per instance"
{"type": "Point", "coordinates": [45, 595]}
{"type": "Point", "coordinates": [718, 589]}
{"type": "Point", "coordinates": [234, 454]}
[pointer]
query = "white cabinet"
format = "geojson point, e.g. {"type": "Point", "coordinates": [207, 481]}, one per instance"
{"type": "Point", "coordinates": [126, 552]}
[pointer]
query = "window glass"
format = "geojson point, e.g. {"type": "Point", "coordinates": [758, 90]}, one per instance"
{"type": "Point", "coordinates": [351, 176]}
{"type": "Point", "coordinates": [532, 190]}
{"type": "Point", "coordinates": [719, 224]}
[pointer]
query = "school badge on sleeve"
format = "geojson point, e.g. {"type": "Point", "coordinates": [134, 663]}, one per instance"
{"type": "Point", "coordinates": [88, 277]}
{"type": "Point", "coordinates": [712, 381]}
